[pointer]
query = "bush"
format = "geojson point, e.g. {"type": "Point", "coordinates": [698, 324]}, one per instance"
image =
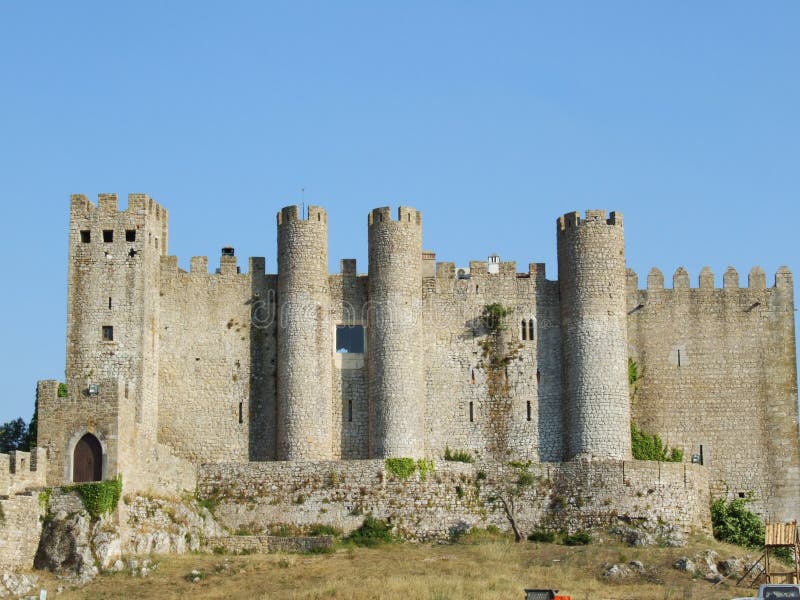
{"type": "Point", "coordinates": [547, 537]}
{"type": "Point", "coordinates": [403, 468]}
{"type": "Point", "coordinates": [732, 522]}
{"type": "Point", "coordinates": [650, 447]}
{"type": "Point", "coordinates": [579, 538]}
{"type": "Point", "coordinates": [320, 529]}
{"type": "Point", "coordinates": [373, 532]}
{"type": "Point", "coordinates": [457, 455]}
{"type": "Point", "coordinates": [100, 497]}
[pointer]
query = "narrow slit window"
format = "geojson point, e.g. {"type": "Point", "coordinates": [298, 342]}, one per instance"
{"type": "Point", "coordinates": [130, 235]}
{"type": "Point", "coordinates": [241, 413]}
{"type": "Point", "coordinates": [538, 377]}
{"type": "Point", "coordinates": [529, 410]}
{"type": "Point", "coordinates": [109, 303]}
{"type": "Point", "coordinates": [86, 236]}
{"type": "Point", "coordinates": [108, 235]}
{"type": "Point", "coordinates": [524, 331]}
{"type": "Point", "coordinates": [108, 333]}
{"type": "Point", "coordinates": [679, 357]}
{"type": "Point", "coordinates": [471, 413]}
{"type": "Point", "coordinates": [472, 375]}
{"type": "Point", "coordinates": [530, 329]}
{"type": "Point", "coordinates": [349, 411]}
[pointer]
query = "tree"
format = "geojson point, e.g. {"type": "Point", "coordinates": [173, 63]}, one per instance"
{"type": "Point", "coordinates": [509, 490]}
{"type": "Point", "coordinates": [13, 435]}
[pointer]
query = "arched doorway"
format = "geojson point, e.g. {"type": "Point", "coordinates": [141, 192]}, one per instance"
{"type": "Point", "coordinates": [87, 460]}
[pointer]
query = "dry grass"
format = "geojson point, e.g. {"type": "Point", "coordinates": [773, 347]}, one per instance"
{"type": "Point", "coordinates": [482, 567]}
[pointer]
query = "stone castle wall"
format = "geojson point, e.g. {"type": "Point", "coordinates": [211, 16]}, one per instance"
{"type": "Point", "coordinates": [719, 373]}
{"type": "Point", "coordinates": [455, 496]}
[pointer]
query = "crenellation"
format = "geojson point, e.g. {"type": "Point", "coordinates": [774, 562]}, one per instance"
{"type": "Point", "coordinates": [730, 279]}
{"type": "Point", "coordinates": [348, 267]}
{"type": "Point", "coordinates": [446, 270]}
{"type": "Point", "coordinates": [198, 265]}
{"type": "Point", "coordinates": [257, 265]}
{"type": "Point", "coordinates": [680, 280]}
{"type": "Point", "coordinates": [655, 280]}
{"type": "Point", "coordinates": [783, 279]}
{"type": "Point", "coordinates": [107, 203]}
{"type": "Point", "coordinates": [757, 279]}
{"type": "Point", "coordinates": [706, 279]}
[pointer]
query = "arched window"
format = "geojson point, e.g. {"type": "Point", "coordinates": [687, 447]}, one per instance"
{"type": "Point", "coordinates": [524, 330]}
{"type": "Point", "coordinates": [530, 329]}
{"type": "Point", "coordinates": [87, 460]}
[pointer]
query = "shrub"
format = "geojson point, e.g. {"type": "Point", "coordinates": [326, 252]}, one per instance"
{"type": "Point", "coordinates": [547, 537]}
{"type": "Point", "coordinates": [732, 522]}
{"type": "Point", "coordinates": [319, 529]}
{"type": "Point", "coordinates": [373, 532]}
{"type": "Point", "coordinates": [100, 497]}
{"type": "Point", "coordinates": [402, 468]}
{"type": "Point", "coordinates": [579, 538]}
{"type": "Point", "coordinates": [457, 455]}
{"type": "Point", "coordinates": [62, 390]}
{"type": "Point", "coordinates": [650, 447]}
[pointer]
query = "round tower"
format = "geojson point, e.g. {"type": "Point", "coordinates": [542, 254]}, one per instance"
{"type": "Point", "coordinates": [304, 336]}
{"type": "Point", "coordinates": [394, 352]}
{"type": "Point", "coordinates": [591, 275]}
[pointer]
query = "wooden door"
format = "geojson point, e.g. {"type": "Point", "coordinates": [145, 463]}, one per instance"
{"type": "Point", "coordinates": [87, 462]}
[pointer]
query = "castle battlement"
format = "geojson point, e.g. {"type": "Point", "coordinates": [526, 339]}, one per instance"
{"type": "Point", "coordinates": [405, 215]}
{"type": "Point", "coordinates": [290, 214]}
{"type": "Point", "coordinates": [107, 205]}
{"type": "Point", "coordinates": [22, 471]}
{"type": "Point", "coordinates": [572, 220]}
{"type": "Point", "coordinates": [756, 280]}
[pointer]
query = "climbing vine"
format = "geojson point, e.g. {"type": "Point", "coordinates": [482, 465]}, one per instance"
{"type": "Point", "coordinates": [497, 352]}
{"type": "Point", "coordinates": [403, 468]}
{"type": "Point", "coordinates": [100, 497]}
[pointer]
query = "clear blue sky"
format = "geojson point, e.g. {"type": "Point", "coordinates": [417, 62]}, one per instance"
{"type": "Point", "coordinates": [492, 118]}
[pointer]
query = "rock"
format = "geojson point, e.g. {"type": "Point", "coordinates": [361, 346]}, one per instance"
{"type": "Point", "coordinates": [106, 543]}
{"type": "Point", "coordinates": [617, 572]}
{"type": "Point", "coordinates": [637, 566]}
{"type": "Point", "coordinates": [118, 566]}
{"type": "Point", "coordinates": [707, 564]}
{"type": "Point", "coordinates": [65, 548]}
{"type": "Point", "coordinates": [732, 567]}
{"type": "Point", "coordinates": [685, 564]}
{"type": "Point", "coordinates": [18, 584]}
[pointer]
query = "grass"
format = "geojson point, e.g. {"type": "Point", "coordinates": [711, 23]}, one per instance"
{"type": "Point", "coordinates": [482, 565]}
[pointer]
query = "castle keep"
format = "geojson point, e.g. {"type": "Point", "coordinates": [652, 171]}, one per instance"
{"type": "Point", "coordinates": [172, 375]}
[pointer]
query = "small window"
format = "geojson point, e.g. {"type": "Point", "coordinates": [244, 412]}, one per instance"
{"type": "Point", "coordinates": [530, 329]}
{"type": "Point", "coordinates": [350, 339]}
{"type": "Point", "coordinates": [108, 235]}
{"type": "Point", "coordinates": [742, 495]}
{"type": "Point", "coordinates": [86, 236]}
{"type": "Point", "coordinates": [524, 330]}
{"type": "Point", "coordinates": [349, 411]}
{"type": "Point", "coordinates": [109, 303]}
{"type": "Point", "coordinates": [241, 413]}
{"type": "Point", "coordinates": [130, 235]}
{"type": "Point", "coordinates": [471, 413]}
{"type": "Point", "coordinates": [529, 410]}
{"type": "Point", "coordinates": [108, 333]}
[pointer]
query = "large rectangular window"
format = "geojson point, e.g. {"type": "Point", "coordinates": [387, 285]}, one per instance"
{"type": "Point", "coordinates": [350, 339]}
{"type": "Point", "coordinates": [108, 333]}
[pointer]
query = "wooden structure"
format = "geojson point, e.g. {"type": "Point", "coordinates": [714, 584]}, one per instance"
{"type": "Point", "coordinates": [777, 535]}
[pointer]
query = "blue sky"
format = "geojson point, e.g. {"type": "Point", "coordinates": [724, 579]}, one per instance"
{"type": "Point", "coordinates": [491, 118]}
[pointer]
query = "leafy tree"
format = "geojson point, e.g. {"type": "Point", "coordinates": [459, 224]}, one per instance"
{"type": "Point", "coordinates": [734, 523]}
{"type": "Point", "coordinates": [508, 492]}
{"type": "Point", "coordinates": [13, 435]}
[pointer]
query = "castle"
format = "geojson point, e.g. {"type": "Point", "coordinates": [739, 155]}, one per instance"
{"type": "Point", "coordinates": [172, 372]}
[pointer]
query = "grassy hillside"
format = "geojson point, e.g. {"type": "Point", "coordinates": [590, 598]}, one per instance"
{"type": "Point", "coordinates": [480, 566]}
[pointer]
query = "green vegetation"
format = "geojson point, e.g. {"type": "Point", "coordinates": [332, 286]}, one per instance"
{"type": "Point", "coordinates": [318, 529]}
{"type": "Point", "coordinates": [547, 537]}
{"type": "Point", "coordinates": [403, 468]}
{"type": "Point", "coordinates": [579, 538]}
{"type": "Point", "coordinates": [372, 532]}
{"type": "Point", "coordinates": [494, 316]}
{"type": "Point", "coordinates": [734, 523]}
{"type": "Point", "coordinates": [44, 500]}
{"type": "Point", "coordinates": [458, 455]}
{"type": "Point", "coordinates": [651, 447]}
{"type": "Point", "coordinates": [62, 390]}
{"type": "Point", "coordinates": [100, 497]}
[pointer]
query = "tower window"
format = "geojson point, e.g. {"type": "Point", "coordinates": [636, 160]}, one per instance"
{"type": "Point", "coordinates": [108, 333]}
{"type": "Point", "coordinates": [350, 339]}
{"type": "Point", "coordinates": [86, 236]}
{"type": "Point", "coordinates": [241, 413]}
{"type": "Point", "coordinates": [524, 330]}
{"type": "Point", "coordinates": [108, 235]}
{"type": "Point", "coordinates": [130, 235]}
{"type": "Point", "coordinates": [471, 413]}
{"type": "Point", "coordinates": [529, 410]}
{"type": "Point", "coordinates": [109, 303]}
{"type": "Point", "coordinates": [530, 329]}
{"type": "Point", "coordinates": [350, 411]}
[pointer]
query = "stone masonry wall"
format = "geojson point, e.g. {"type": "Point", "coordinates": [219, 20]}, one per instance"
{"type": "Point", "coordinates": [455, 496]}
{"type": "Point", "coordinates": [591, 275]}
{"type": "Point", "coordinates": [719, 379]}
{"type": "Point", "coordinates": [20, 528]}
